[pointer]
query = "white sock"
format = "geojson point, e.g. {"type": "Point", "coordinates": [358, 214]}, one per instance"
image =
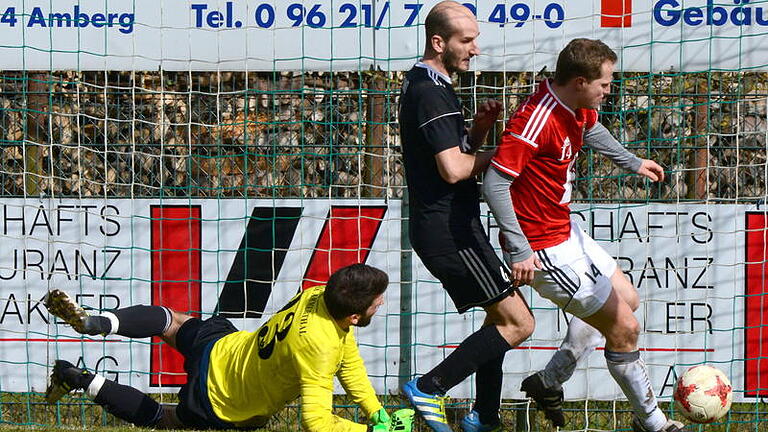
{"type": "Point", "coordinates": [113, 321]}
{"type": "Point", "coordinates": [93, 388]}
{"type": "Point", "coordinates": [630, 373]}
{"type": "Point", "coordinates": [580, 340]}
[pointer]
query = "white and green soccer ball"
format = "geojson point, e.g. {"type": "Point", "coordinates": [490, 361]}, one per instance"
{"type": "Point", "coordinates": [703, 394]}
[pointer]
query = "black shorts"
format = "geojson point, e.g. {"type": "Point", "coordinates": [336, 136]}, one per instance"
{"type": "Point", "coordinates": [194, 341]}
{"type": "Point", "coordinates": [472, 276]}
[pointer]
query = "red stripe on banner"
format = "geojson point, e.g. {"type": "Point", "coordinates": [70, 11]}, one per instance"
{"type": "Point", "coordinates": [756, 314]}
{"type": "Point", "coordinates": [176, 275]}
{"type": "Point", "coordinates": [49, 340]}
{"type": "Point", "coordinates": [555, 348]}
{"type": "Point", "coordinates": [616, 13]}
{"type": "Point", "coordinates": [346, 239]}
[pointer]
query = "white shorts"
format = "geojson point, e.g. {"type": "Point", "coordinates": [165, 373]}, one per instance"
{"type": "Point", "coordinates": [576, 274]}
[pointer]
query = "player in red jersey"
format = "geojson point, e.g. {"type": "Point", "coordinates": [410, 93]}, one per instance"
{"type": "Point", "coordinates": [528, 188]}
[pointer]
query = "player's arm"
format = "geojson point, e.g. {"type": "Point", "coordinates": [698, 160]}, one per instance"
{"type": "Point", "coordinates": [316, 369]}
{"type": "Point", "coordinates": [354, 378]}
{"type": "Point", "coordinates": [455, 166]}
{"type": "Point", "coordinates": [601, 140]}
{"type": "Point", "coordinates": [486, 116]}
{"type": "Point", "coordinates": [523, 263]}
{"type": "Point", "coordinates": [456, 156]}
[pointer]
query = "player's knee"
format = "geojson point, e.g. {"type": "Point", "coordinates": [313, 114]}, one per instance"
{"type": "Point", "coordinates": [626, 332]}
{"type": "Point", "coordinates": [527, 325]}
{"type": "Point", "coordinates": [177, 320]}
{"type": "Point", "coordinates": [515, 331]}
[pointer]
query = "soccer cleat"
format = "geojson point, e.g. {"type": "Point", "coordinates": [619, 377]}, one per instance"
{"type": "Point", "coordinates": [548, 400]}
{"type": "Point", "coordinates": [63, 306]}
{"type": "Point", "coordinates": [430, 407]}
{"type": "Point", "coordinates": [671, 426]}
{"type": "Point", "coordinates": [471, 423]}
{"type": "Point", "coordinates": [65, 378]}
{"type": "Point", "coordinates": [402, 420]}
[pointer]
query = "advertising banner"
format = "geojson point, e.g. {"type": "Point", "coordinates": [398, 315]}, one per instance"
{"type": "Point", "coordinates": [268, 35]}
{"type": "Point", "coordinates": [699, 271]}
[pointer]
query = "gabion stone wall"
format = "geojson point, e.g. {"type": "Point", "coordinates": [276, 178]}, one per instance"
{"type": "Point", "coordinates": [282, 134]}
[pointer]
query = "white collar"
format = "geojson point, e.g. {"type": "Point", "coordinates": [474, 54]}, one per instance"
{"type": "Point", "coordinates": [445, 77]}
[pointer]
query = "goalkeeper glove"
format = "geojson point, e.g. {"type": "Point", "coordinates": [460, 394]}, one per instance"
{"type": "Point", "coordinates": [380, 421]}
{"type": "Point", "coordinates": [402, 420]}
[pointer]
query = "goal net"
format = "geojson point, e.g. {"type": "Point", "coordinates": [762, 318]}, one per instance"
{"type": "Point", "coordinates": [217, 156]}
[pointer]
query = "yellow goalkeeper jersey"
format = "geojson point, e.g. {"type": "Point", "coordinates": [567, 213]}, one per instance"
{"type": "Point", "coordinates": [252, 375]}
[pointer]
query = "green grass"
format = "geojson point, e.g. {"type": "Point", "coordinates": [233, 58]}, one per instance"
{"type": "Point", "coordinates": [26, 411]}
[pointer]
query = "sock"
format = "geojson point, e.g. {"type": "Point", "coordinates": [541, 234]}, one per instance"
{"type": "Point", "coordinates": [480, 347]}
{"type": "Point", "coordinates": [580, 340]}
{"type": "Point", "coordinates": [488, 385]}
{"type": "Point", "coordinates": [629, 371]}
{"type": "Point", "coordinates": [134, 322]}
{"type": "Point", "coordinates": [124, 402]}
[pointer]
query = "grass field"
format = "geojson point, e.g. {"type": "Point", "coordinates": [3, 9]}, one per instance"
{"type": "Point", "coordinates": [23, 412]}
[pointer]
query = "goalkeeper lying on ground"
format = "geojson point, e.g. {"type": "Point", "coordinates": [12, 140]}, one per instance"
{"type": "Point", "coordinates": [239, 379]}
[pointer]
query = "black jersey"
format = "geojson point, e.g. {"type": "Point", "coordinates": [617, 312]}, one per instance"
{"type": "Point", "coordinates": [443, 216]}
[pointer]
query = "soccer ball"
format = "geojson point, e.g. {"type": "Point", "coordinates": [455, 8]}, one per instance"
{"type": "Point", "coordinates": [703, 394]}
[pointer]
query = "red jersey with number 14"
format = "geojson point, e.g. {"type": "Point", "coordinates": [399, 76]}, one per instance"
{"type": "Point", "coordinates": [539, 148]}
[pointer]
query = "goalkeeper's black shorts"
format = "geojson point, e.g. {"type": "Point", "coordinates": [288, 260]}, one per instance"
{"type": "Point", "coordinates": [194, 341]}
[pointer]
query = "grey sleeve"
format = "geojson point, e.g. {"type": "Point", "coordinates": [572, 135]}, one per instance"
{"type": "Point", "coordinates": [496, 192]}
{"type": "Point", "coordinates": [604, 143]}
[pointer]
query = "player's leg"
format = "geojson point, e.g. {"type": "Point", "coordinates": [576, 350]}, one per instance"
{"type": "Point", "coordinates": [122, 401]}
{"type": "Point", "coordinates": [133, 321]}
{"type": "Point", "coordinates": [581, 339]}
{"type": "Point", "coordinates": [514, 321]}
{"type": "Point", "coordinates": [195, 340]}
{"type": "Point", "coordinates": [571, 280]}
{"type": "Point", "coordinates": [472, 277]}
{"type": "Point", "coordinates": [621, 329]}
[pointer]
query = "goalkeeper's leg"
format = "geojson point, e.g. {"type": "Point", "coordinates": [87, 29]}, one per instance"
{"type": "Point", "coordinates": [134, 321]}
{"type": "Point", "coordinates": [122, 401]}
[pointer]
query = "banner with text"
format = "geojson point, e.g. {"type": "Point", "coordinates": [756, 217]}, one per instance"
{"type": "Point", "coordinates": [688, 264]}
{"type": "Point", "coordinates": [260, 35]}
{"type": "Point", "coordinates": [243, 259]}
{"type": "Point", "coordinates": [700, 271]}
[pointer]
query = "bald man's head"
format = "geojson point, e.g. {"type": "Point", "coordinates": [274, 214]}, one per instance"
{"type": "Point", "coordinates": [446, 18]}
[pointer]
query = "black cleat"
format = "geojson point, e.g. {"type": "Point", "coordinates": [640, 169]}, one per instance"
{"type": "Point", "coordinates": [671, 426]}
{"type": "Point", "coordinates": [548, 400]}
{"type": "Point", "coordinates": [65, 378]}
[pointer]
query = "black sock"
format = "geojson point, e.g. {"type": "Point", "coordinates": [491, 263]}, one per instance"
{"type": "Point", "coordinates": [134, 322]}
{"type": "Point", "coordinates": [488, 386]}
{"type": "Point", "coordinates": [480, 347]}
{"type": "Point", "coordinates": [129, 404]}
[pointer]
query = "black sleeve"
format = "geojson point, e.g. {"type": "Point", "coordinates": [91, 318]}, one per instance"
{"type": "Point", "coordinates": [438, 119]}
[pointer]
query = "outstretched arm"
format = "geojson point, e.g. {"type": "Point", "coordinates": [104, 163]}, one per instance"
{"type": "Point", "coordinates": [601, 140]}
{"type": "Point", "coordinates": [316, 368]}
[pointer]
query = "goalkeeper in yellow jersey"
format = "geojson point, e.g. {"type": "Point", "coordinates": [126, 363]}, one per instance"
{"type": "Point", "coordinates": [239, 379]}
